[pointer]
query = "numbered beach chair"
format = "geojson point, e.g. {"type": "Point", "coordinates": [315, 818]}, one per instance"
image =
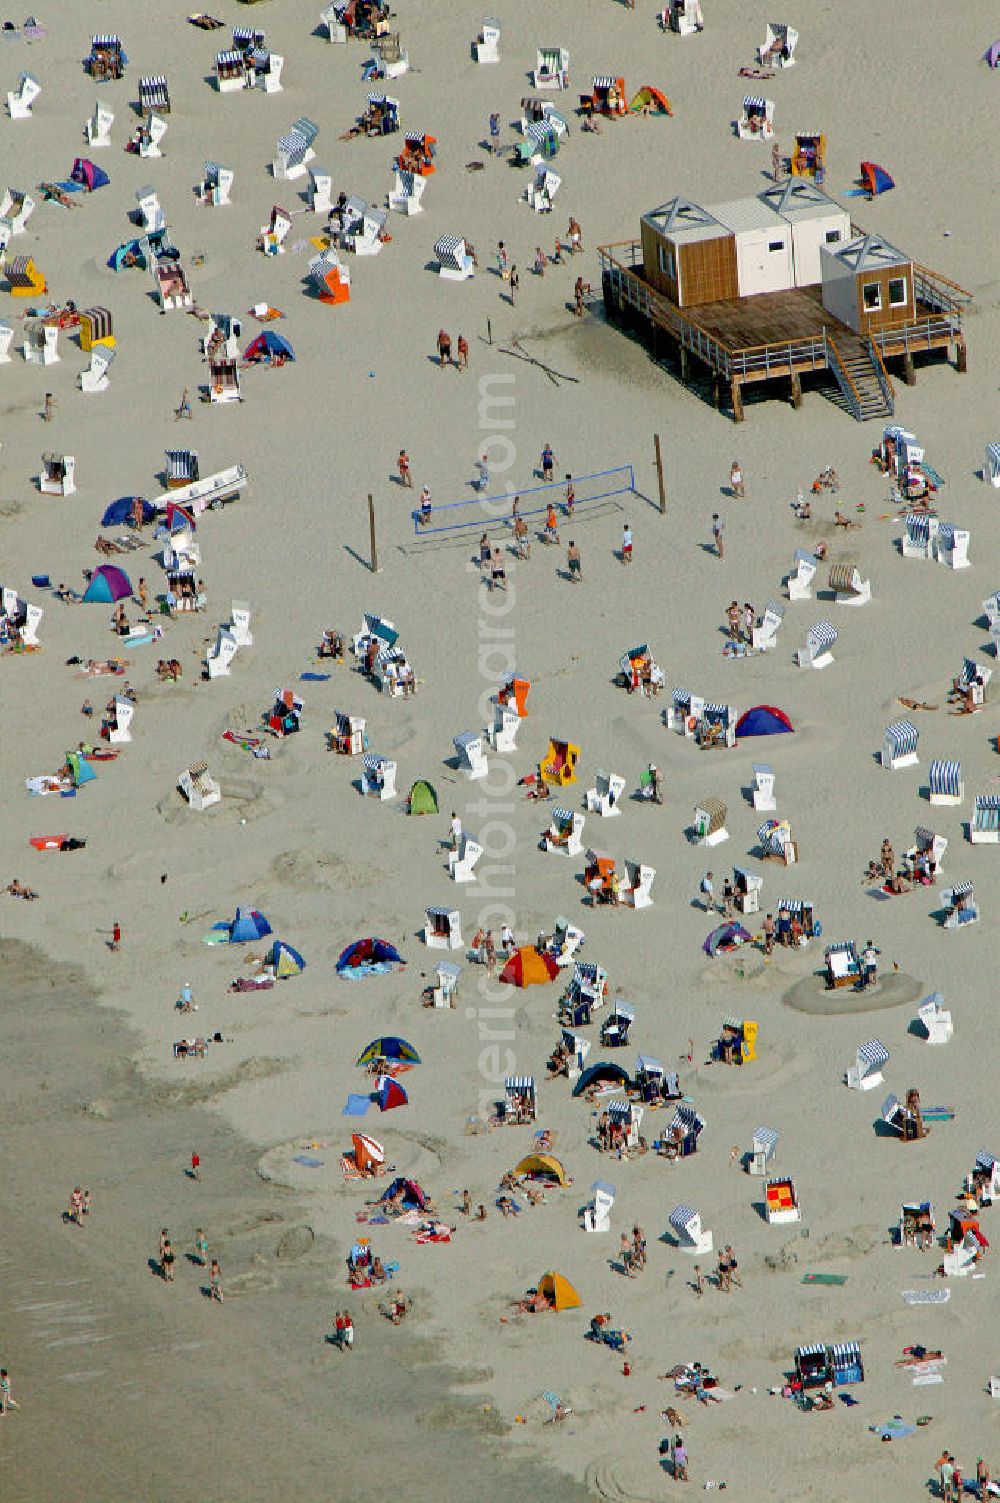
{"type": "Point", "coordinates": [118, 727]}
{"type": "Point", "coordinates": [984, 827]}
{"type": "Point", "coordinates": [443, 929]}
{"type": "Point", "coordinates": [502, 734]}
{"type": "Point", "coordinates": [320, 190]}
{"type": "Point", "coordinates": [16, 208]}
{"type": "Point", "coordinates": [628, 1116]}
{"type": "Point", "coordinates": [98, 128]}
{"type": "Point", "coordinates": [150, 215]}
{"type": "Point", "coordinates": [6, 340]}
{"type": "Point", "coordinates": [565, 833]}
{"type": "Point", "coordinates": [274, 234]}
{"type": "Point", "coordinates": [152, 135]}
{"type": "Point", "coordinates": [781, 1203]}
{"type": "Point", "coordinates": [945, 785]}
{"type": "Point", "coordinates": [95, 377]}
{"type": "Point", "coordinates": [847, 585]}
{"type": "Point", "coordinates": [294, 150]}
{"type": "Point", "coordinates": [364, 227]}
{"type": "Point", "coordinates": [542, 189]}
{"type": "Point", "coordinates": [819, 640]}
{"type": "Point", "coordinates": [597, 1213]}
{"type": "Point", "coordinates": [41, 343]}
{"type": "Point", "coordinates": [899, 745]}
{"type": "Point", "coordinates": [765, 632]}
{"type": "Point", "coordinates": [935, 1019]}
{"type": "Point", "coordinates": [757, 120]}
{"type": "Point", "coordinates": [454, 262]}
{"type": "Point", "coordinates": [445, 990]}
{"type": "Point", "coordinates": [953, 546]}
{"type": "Point", "coordinates": [763, 787]}
{"type": "Point", "coordinates": [961, 906]}
{"type": "Point", "coordinates": [23, 277]}
{"type": "Point", "coordinates": [710, 822]}
{"type": "Point", "coordinates": [219, 658]}
{"type": "Point", "coordinates": [21, 99]}
{"type": "Point", "coordinates": [407, 193]}
{"type": "Point", "coordinates": [558, 766]}
{"type": "Point", "coordinates": [266, 69]}
{"type": "Point", "coordinates": [780, 41]}
{"type": "Point", "coordinates": [551, 68]}
{"type": "Point", "coordinates": [763, 1150]}
{"type": "Point", "coordinates": [216, 185]}
{"type": "Point", "coordinates": [486, 47]}
{"type": "Point", "coordinates": [471, 754]}
{"type": "Point", "coordinates": [637, 888]}
{"type": "Point", "coordinates": [799, 582]}
{"type": "Point", "coordinates": [330, 278]}
{"type": "Point", "coordinates": [691, 1237]}
{"type": "Point", "coordinates": [199, 787]}
{"type": "Point", "coordinates": [378, 777]}
{"type": "Point", "coordinates": [605, 796]}
{"type": "Point", "coordinates": [462, 863]}
{"type": "Point", "coordinates": [866, 1072]}
{"type": "Point", "coordinates": [58, 477]}
{"type": "Point", "coordinates": [154, 94]}
{"type": "Point", "coordinates": [991, 466]}
{"type": "Point", "coordinates": [927, 850]}
{"type": "Point", "coordinates": [683, 17]}
{"type": "Point", "coordinates": [32, 620]}
{"type": "Point", "coordinates": [920, 536]}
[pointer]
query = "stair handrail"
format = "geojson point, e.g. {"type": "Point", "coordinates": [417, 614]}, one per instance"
{"type": "Point", "coordinates": [839, 365]}
{"type": "Point", "coordinates": [884, 380]}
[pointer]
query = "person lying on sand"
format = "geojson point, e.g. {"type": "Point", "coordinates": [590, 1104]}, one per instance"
{"type": "Point", "coordinates": [839, 520]}
{"type": "Point", "coordinates": [18, 890]}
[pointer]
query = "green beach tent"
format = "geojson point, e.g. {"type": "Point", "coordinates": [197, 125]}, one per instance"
{"type": "Point", "coordinates": [423, 799]}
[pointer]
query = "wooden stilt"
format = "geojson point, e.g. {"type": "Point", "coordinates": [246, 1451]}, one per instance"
{"type": "Point", "coordinates": [716, 390]}
{"type": "Point", "coordinates": [685, 365]}
{"type": "Point", "coordinates": [796, 390]}
{"type": "Point", "coordinates": [737, 396]}
{"type": "Point", "coordinates": [659, 473]}
{"type": "Point", "coordinates": [961, 356]}
{"type": "Point", "coordinates": [909, 374]}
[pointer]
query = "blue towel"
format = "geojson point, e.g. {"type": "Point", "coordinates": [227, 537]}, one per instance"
{"type": "Point", "coordinates": [356, 1106]}
{"type": "Point", "coordinates": [41, 581]}
{"type": "Point", "coordinates": [302, 1158]}
{"type": "Point", "coordinates": [313, 678]}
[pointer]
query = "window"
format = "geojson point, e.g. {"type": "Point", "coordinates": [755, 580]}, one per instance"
{"type": "Point", "coordinates": [775, 245]}
{"type": "Point", "coordinates": [897, 292]}
{"type": "Point", "coordinates": [871, 294]}
{"type": "Point", "coordinates": [667, 263]}
{"type": "Point", "coordinates": [832, 236]}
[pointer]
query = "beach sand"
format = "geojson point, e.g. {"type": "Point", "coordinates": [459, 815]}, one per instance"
{"type": "Point", "coordinates": [152, 1391]}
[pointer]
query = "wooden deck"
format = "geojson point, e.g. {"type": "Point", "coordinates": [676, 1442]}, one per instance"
{"type": "Point", "coordinates": [746, 323]}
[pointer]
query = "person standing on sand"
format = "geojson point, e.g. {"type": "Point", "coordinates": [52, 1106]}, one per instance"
{"type": "Point", "coordinates": [708, 892]}
{"type": "Point", "coordinates": [768, 928]}
{"type": "Point", "coordinates": [116, 936]}
{"type": "Point", "coordinates": [7, 1400]}
{"type": "Point", "coordinates": [196, 1166]}
{"type": "Point", "coordinates": [444, 348]}
{"type": "Point", "coordinates": [736, 483]}
{"type": "Point", "coordinates": [515, 282]}
{"type": "Point", "coordinates": [717, 526]}
{"type": "Point", "coordinates": [215, 1280]}
{"type": "Point", "coordinates": [463, 353]}
{"type": "Point", "coordinates": [201, 1247]}
{"type": "Point", "coordinates": [167, 1260]}
{"type": "Point", "coordinates": [574, 563]}
{"type": "Point", "coordinates": [403, 466]}
{"type": "Point", "coordinates": [626, 544]}
{"type": "Point", "coordinates": [698, 1282]}
{"type": "Point", "coordinates": [348, 1332]}
{"type": "Point", "coordinates": [466, 1203]}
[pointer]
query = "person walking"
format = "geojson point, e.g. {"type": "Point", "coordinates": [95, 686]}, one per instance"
{"type": "Point", "coordinates": [426, 505]}
{"type": "Point", "coordinates": [734, 1267]}
{"type": "Point", "coordinates": [515, 282]}
{"type": "Point", "coordinates": [503, 261]}
{"type": "Point", "coordinates": [483, 479]}
{"type": "Point", "coordinates": [625, 1255]}
{"type": "Point", "coordinates": [541, 261]}
{"type": "Point", "coordinates": [733, 620]}
{"type": "Point", "coordinates": [348, 1332]}
{"type": "Point", "coordinates": [736, 481]}
{"type": "Point", "coordinates": [570, 501]}
{"type": "Point", "coordinates": [167, 1259]}
{"type": "Point", "coordinates": [444, 348]}
{"type": "Point", "coordinates": [717, 526]}
{"type": "Point", "coordinates": [708, 892]}
{"type": "Point", "coordinates": [574, 563]}
{"type": "Point", "coordinates": [626, 544]}
{"type": "Point", "coordinates": [463, 353]}
{"type": "Point", "coordinates": [548, 462]}
{"type": "Point", "coordinates": [183, 408]}
{"type": "Point", "coordinates": [196, 1166]}
{"type": "Point", "coordinates": [723, 1272]}
{"type": "Point", "coordinates": [455, 831]}
{"type": "Point", "coordinates": [201, 1247]}
{"type": "Point", "coordinates": [403, 466]}
{"type": "Point", "coordinates": [768, 928]}
{"type": "Point", "coordinates": [116, 936]}
{"type": "Point", "coordinates": [698, 1282]}
{"type": "Point", "coordinates": [680, 1460]}
{"type": "Point", "coordinates": [49, 411]}
{"type": "Point", "coordinates": [575, 236]}
{"type": "Point", "coordinates": [749, 621]}
{"type": "Point", "coordinates": [7, 1400]}
{"type": "Point", "coordinates": [494, 128]}
{"type": "Point", "coordinates": [215, 1281]}
{"type": "Point", "coordinates": [76, 1206]}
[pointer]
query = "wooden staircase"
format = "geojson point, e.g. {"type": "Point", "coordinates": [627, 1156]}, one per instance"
{"type": "Point", "coordinates": [861, 376]}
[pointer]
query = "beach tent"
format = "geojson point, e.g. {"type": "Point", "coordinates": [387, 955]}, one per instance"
{"type": "Point", "coordinates": [560, 1291]}
{"type": "Point", "coordinates": [423, 799]}
{"type": "Point", "coordinates": [368, 957]}
{"type": "Point", "coordinates": [127, 255]}
{"type": "Point", "coordinates": [368, 1153]}
{"type": "Point", "coordinates": [993, 55]}
{"type": "Point", "coordinates": [726, 937]}
{"type": "Point", "coordinates": [388, 1046]}
{"type": "Point", "coordinates": [267, 345]}
{"type": "Point", "coordinates": [88, 175]}
{"type": "Point", "coordinates": [652, 100]}
{"type": "Point", "coordinates": [179, 519]}
{"type": "Point", "coordinates": [875, 179]}
{"type": "Point", "coordinates": [526, 967]}
{"type": "Point", "coordinates": [390, 1094]}
{"type": "Point", "coordinates": [80, 769]}
{"type": "Point", "coordinates": [284, 960]}
{"type": "Point", "coordinates": [413, 1195]}
{"type": "Point", "coordinates": [247, 927]}
{"type": "Point", "coordinates": [107, 584]}
{"type": "Point", "coordinates": [542, 1163]}
{"type": "Point", "coordinates": [119, 511]}
{"type": "Point", "coordinates": [763, 720]}
{"type": "Point", "coordinates": [603, 1073]}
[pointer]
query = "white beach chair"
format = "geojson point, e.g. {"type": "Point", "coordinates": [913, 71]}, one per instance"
{"type": "Point", "coordinates": [920, 536]}
{"type": "Point", "coordinates": [502, 734]}
{"type": "Point", "coordinates": [454, 262]}
{"type": "Point", "coordinates": [800, 583]}
{"type": "Point", "coordinates": [763, 787]}
{"type": "Point", "coordinates": [151, 216]}
{"type": "Point", "coordinates": [98, 127]}
{"type": "Point", "coordinates": [320, 190]}
{"type": "Point", "coordinates": [899, 745]}
{"type": "Point", "coordinates": [240, 624]}
{"type": "Point", "coordinates": [597, 1214]}
{"type": "Point", "coordinates": [471, 756]}
{"type": "Point", "coordinates": [294, 150]}
{"type": "Point", "coordinates": [944, 782]}
{"type": "Point", "coordinates": [445, 989]}
{"type": "Point", "coordinates": [16, 208]}
{"type": "Point", "coordinates": [58, 477]}
{"type": "Point", "coordinates": [462, 863]}
{"type": "Point", "coordinates": [605, 796]}
{"type": "Point", "coordinates": [961, 905]}
{"type": "Point", "coordinates": [330, 17]}
{"type": "Point", "coordinates": [847, 585]}
{"type": "Point", "coordinates": [21, 99]}
{"type": "Point", "coordinates": [486, 47]}
{"type": "Point", "coordinates": [443, 929]}
{"type": "Point", "coordinates": [542, 189]}
{"type": "Point", "coordinates": [378, 777]}
{"type": "Point", "coordinates": [219, 659]}
{"type": "Point", "coordinates": [199, 787]}
{"type": "Point", "coordinates": [407, 193]}
{"type": "Point", "coordinates": [41, 344]}
{"type": "Point", "coordinates": [267, 73]}
{"type": "Point", "coordinates": [778, 50]}
{"type": "Point", "coordinates": [120, 732]}
{"type": "Point", "coordinates": [564, 836]}
{"type": "Point", "coordinates": [757, 120]}
{"type": "Point", "coordinates": [866, 1072]}
{"type": "Point", "coordinates": [32, 621]}
{"type": "Point", "coordinates": [765, 634]}
{"type": "Point", "coordinates": [819, 639]}
{"type": "Point", "coordinates": [551, 68]}
{"type": "Point", "coordinates": [991, 465]}
{"type": "Point", "coordinates": [953, 546]}
{"type": "Point", "coordinates": [984, 826]}
{"type": "Point", "coordinates": [691, 1236]}
{"type": "Point", "coordinates": [637, 889]}
{"type": "Point", "coordinates": [763, 1150]}
{"type": "Point", "coordinates": [217, 185]}
{"type": "Point", "coordinates": [151, 144]}
{"type": "Point", "coordinates": [781, 1201]}
{"type": "Point", "coordinates": [95, 377]}
{"type": "Point", "coordinates": [936, 1019]}
{"type": "Point", "coordinates": [710, 822]}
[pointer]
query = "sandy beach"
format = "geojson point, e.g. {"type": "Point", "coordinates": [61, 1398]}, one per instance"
{"type": "Point", "coordinates": [131, 1389]}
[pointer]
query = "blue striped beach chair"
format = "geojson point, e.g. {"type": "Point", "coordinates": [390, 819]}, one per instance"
{"type": "Point", "coordinates": [691, 1236]}
{"type": "Point", "coordinates": [961, 906]}
{"type": "Point", "coordinates": [154, 94]}
{"type": "Point", "coordinates": [945, 784]}
{"type": "Point", "coordinates": [763, 1149]}
{"type": "Point", "coordinates": [899, 745]}
{"type": "Point", "coordinates": [984, 827]}
{"type": "Point", "coordinates": [991, 467]}
{"type": "Point", "coordinates": [866, 1072]}
{"type": "Point", "coordinates": [819, 640]}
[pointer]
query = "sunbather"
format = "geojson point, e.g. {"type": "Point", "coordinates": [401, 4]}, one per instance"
{"type": "Point", "coordinates": [18, 890]}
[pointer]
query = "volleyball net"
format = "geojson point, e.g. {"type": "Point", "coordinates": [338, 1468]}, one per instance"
{"type": "Point", "coordinates": [484, 511]}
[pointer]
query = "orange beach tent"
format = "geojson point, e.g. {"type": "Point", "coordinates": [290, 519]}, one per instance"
{"type": "Point", "coordinates": [560, 1291]}
{"type": "Point", "coordinates": [526, 967]}
{"type": "Point", "coordinates": [652, 101]}
{"type": "Point", "coordinates": [542, 1163]}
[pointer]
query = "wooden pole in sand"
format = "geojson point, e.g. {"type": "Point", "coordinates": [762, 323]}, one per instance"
{"type": "Point", "coordinates": [371, 530]}
{"type": "Point", "coordinates": [659, 474]}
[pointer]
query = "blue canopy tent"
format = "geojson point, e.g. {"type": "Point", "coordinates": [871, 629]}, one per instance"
{"type": "Point", "coordinates": [389, 1046]}
{"type": "Point", "coordinates": [413, 1196]}
{"type": "Point", "coordinates": [107, 584]}
{"type": "Point", "coordinates": [763, 720]}
{"type": "Point", "coordinates": [246, 928]}
{"type": "Point", "coordinates": [267, 346]}
{"type": "Point", "coordinates": [875, 179]}
{"type": "Point", "coordinates": [725, 938]}
{"type": "Point", "coordinates": [368, 957]}
{"type": "Point", "coordinates": [121, 510]}
{"type": "Point", "coordinates": [89, 175]}
{"type": "Point", "coordinates": [603, 1073]}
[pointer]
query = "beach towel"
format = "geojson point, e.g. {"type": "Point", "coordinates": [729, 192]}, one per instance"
{"type": "Point", "coordinates": [141, 639]}
{"type": "Point", "coordinates": [922, 1379]}
{"type": "Point", "coordinates": [423, 1237]}
{"type": "Point", "coordinates": [356, 1106]}
{"type": "Point", "coordinates": [833, 1279]}
{"type": "Point", "coordinates": [41, 581]}
{"type": "Point", "coordinates": [894, 1430]}
{"type": "Point", "coordinates": [927, 1296]}
{"type": "Point", "coordinates": [314, 678]}
{"type": "Point", "coordinates": [216, 937]}
{"type": "Point", "coordinates": [302, 1158]}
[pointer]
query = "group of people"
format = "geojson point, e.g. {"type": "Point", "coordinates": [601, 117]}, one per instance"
{"type": "Point", "coordinates": [740, 622]}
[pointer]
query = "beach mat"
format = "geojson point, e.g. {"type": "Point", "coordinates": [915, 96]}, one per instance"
{"type": "Point", "coordinates": [356, 1106]}
{"type": "Point", "coordinates": [314, 678]}
{"type": "Point", "coordinates": [832, 1279]}
{"type": "Point", "coordinates": [927, 1296]}
{"type": "Point", "coordinates": [306, 1161]}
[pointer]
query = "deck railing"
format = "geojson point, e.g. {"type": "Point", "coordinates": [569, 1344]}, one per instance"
{"type": "Point", "coordinates": [881, 374]}
{"type": "Point", "coordinates": [843, 376]}
{"type": "Point", "coordinates": [921, 334]}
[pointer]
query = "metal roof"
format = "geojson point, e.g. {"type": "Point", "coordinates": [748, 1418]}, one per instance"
{"type": "Point", "coordinates": [683, 220]}
{"type": "Point", "coordinates": [798, 198]}
{"type": "Point", "coordinates": [742, 214]}
{"type": "Point", "coordinates": [869, 253]}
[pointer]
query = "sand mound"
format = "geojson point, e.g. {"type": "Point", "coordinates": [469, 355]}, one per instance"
{"type": "Point", "coordinates": [616, 1478]}
{"type": "Point", "coordinates": [322, 871]}
{"type": "Point", "coordinates": [810, 996]}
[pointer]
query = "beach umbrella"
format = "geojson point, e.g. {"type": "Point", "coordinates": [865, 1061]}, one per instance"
{"type": "Point", "coordinates": [526, 967]}
{"type": "Point", "coordinates": [388, 1046]}
{"type": "Point", "coordinates": [389, 1094]}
